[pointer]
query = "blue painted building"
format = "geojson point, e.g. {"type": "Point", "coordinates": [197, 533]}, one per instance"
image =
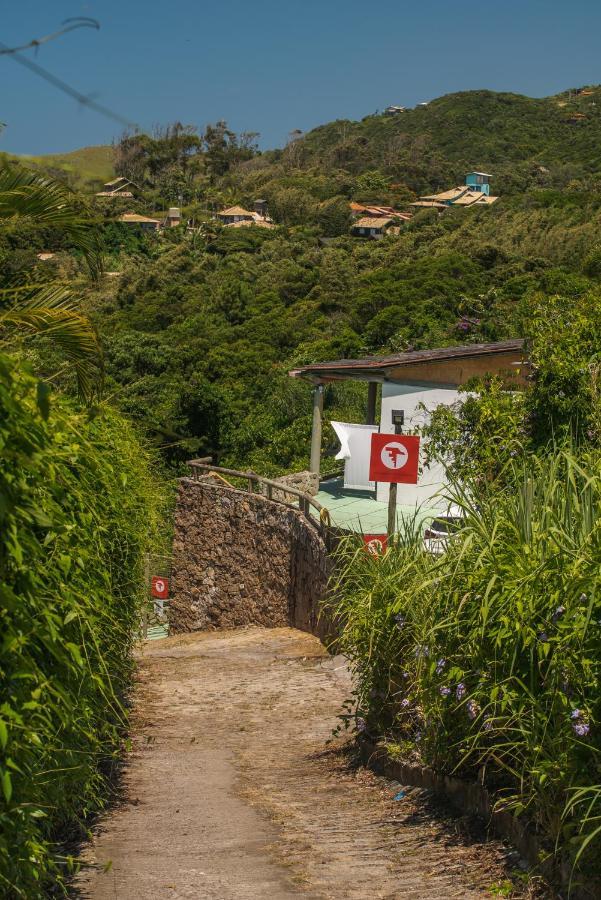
{"type": "Point", "coordinates": [478, 181]}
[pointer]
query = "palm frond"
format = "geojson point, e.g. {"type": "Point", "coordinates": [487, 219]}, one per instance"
{"type": "Point", "coordinates": [51, 312]}
{"type": "Point", "coordinates": [25, 194]}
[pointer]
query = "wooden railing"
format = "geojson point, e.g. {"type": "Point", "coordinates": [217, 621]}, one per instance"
{"type": "Point", "coordinates": [307, 504]}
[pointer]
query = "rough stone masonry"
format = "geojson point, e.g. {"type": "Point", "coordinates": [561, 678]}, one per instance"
{"type": "Point", "coordinates": [241, 559]}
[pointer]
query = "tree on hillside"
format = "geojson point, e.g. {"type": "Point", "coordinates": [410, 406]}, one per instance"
{"type": "Point", "coordinates": [224, 148]}
{"type": "Point", "coordinates": [32, 302]}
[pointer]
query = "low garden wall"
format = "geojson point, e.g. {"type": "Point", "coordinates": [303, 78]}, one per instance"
{"type": "Point", "coordinates": [241, 559]}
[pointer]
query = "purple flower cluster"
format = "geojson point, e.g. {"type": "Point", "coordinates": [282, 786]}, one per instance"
{"type": "Point", "coordinates": [472, 709]}
{"type": "Point", "coordinates": [361, 724]}
{"type": "Point", "coordinates": [460, 691]}
{"type": "Point", "coordinates": [440, 666]}
{"type": "Point", "coordinates": [400, 620]}
{"type": "Point", "coordinates": [558, 613]}
{"type": "Point", "coordinates": [405, 703]}
{"type": "Point", "coordinates": [579, 724]}
{"type": "Point", "coordinates": [444, 691]}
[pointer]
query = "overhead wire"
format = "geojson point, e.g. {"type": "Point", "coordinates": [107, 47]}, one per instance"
{"type": "Point", "coordinates": [54, 80]}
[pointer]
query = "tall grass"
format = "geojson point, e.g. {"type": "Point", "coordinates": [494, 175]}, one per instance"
{"type": "Point", "coordinates": [485, 661]}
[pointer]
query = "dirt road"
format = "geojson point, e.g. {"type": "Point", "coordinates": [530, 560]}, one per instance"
{"type": "Point", "coordinates": [231, 793]}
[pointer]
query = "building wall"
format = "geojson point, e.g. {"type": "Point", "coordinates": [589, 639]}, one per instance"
{"type": "Point", "coordinates": [477, 185]}
{"type": "Point", "coordinates": [410, 398]}
{"type": "Point", "coordinates": [240, 559]}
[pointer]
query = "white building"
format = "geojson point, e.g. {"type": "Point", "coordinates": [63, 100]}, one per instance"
{"type": "Point", "coordinates": [413, 383]}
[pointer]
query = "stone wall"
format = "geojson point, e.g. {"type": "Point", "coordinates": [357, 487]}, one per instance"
{"type": "Point", "coordinates": [240, 559]}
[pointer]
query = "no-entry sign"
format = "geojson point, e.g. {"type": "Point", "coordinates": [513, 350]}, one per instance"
{"type": "Point", "coordinates": [394, 458]}
{"type": "Point", "coordinates": [375, 544]}
{"type": "Point", "coordinates": [159, 587]}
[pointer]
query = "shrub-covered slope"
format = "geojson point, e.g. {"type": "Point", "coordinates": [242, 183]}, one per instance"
{"type": "Point", "coordinates": [78, 509]}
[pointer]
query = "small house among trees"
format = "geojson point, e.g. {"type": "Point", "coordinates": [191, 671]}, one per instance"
{"type": "Point", "coordinates": [118, 188]}
{"type": "Point", "coordinates": [137, 221]}
{"type": "Point", "coordinates": [237, 216]}
{"type": "Point", "coordinates": [475, 191]}
{"type": "Point", "coordinates": [371, 227]}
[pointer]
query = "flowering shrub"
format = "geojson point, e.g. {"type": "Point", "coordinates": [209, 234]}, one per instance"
{"type": "Point", "coordinates": [486, 659]}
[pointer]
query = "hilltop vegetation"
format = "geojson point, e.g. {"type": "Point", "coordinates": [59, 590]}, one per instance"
{"type": "Point", "coordinates": [201, 327]}
{"type": "Point", "coordinates": [84, 169]}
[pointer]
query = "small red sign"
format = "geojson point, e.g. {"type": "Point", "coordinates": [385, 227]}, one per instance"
{"type": "Point", "coordinates": [376, 544]}
{"type": "Point", "coordinates": [394, 458]}
{"type": "Point", "coordinates": [159, 587]}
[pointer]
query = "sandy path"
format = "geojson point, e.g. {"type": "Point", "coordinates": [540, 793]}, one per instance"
{"type": "Point", "coordinates": [231, 792]}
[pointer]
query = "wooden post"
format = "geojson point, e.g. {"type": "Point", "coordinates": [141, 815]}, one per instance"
{"type": "Point", "coordinates": [392, 509]}
{"type": "Point", "coordinates": [392, 495]}
{"type": "Point", "coordinates": [372, 396]}
{"type": "Point", "coordinates": [145, 607]}
{"type": "Point", "coordinates": [315, 463]}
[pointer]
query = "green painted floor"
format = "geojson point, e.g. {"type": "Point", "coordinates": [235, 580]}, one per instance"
{"type": "Point", "coordinates": [360, 511]}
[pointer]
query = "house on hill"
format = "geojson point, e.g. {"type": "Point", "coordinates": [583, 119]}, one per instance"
{"type": "Point", "coordinates": [479, 182]}
{"type": "Point", "coordinates": [237, 216]}
{"type": "Point", "coordinates": [409, 386]}
{"type": "Point", "coordinates": [475, 192]}
{"type": "Point", "coordinates": [234, 214]}
{"type": "Point", "coordinates": [119, 187]}
{"type": "Point", "coordinates": [374, 227]}
{"type": "Point", "coordinates": [137, 221]}
{"type": "Point", "coordinates": [173, 217]}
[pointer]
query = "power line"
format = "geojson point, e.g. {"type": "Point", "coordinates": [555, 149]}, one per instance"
{"type": "Point", "coordinates": [77, 22]}
{"type": "Point", "coordinates": [82, 99]}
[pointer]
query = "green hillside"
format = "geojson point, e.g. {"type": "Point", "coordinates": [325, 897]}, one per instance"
{"type": "Point", "coordinates": [521, 140]}
{"type": "Point", "coordinates": [87, 165]}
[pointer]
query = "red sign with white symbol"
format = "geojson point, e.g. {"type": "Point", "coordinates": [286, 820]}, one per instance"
{"type": "Point", "coordinates": [159, 587]}
{"type": "Point", "coordinates": [376, 544]}
{"type": "Point", "coordinates": [394, 458]}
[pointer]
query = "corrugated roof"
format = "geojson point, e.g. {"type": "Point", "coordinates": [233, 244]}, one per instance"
{"type": "Point", "coordinates": [260, 223]}
{"type": "Point", "coordinates": [447, 195]}
{"type": "Point", "coordinates": [429, 203]}
{"type": "Point", "coordinates": [117, 181]}
{"type": "Point", "coordinates": [134, 217]}
{"type": "Point", "coordinates": [378, 365]}
{"type": "Point", "coordinates": [372, 222]}
{"type": "Point", "coordinates": [484, 174]}
{"type": "Point", "coordinates": [471, 197]}
{"type": "Point", "coordinates": [115, 194]}
{"type": "Point", "coordinates": [235, 211]}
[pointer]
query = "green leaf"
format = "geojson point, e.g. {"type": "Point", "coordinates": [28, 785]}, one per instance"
{"type": "Point", "coordinates": [43, 398]}
{"type": "Point", "coordinates": [7, 786]}
{"type": "Point", "coordinates": [75, 652]}
{"type": "Point", "coordinates": [3, 734]}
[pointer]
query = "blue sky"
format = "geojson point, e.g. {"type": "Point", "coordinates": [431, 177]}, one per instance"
{"type": "Point", "coordinates": [276, 65]}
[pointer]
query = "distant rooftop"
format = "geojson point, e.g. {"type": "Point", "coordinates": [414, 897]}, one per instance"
{"type": "Point", "coordinates": [444, 364]}
{"type": "Point", "coordinates": [372, 222]}
{"type": "Point", "coordinates": [135, 217]}
{"type": "Point", "coordinates": [235, 211]}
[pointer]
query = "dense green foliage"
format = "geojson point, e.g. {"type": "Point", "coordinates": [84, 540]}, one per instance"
{"type": "Point", "coordinates": [486, 661]}
{"type": "Point", "coordinates": [199, 335]}
{"type": "Point", "coordinates": [78, 509]}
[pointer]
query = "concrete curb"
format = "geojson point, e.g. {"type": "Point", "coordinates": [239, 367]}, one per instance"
{"type": "Point", "coordinates": [474, 798]}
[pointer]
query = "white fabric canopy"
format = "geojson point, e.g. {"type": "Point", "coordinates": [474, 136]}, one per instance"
{"type": "Point", "coordinates": [355, 449]}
